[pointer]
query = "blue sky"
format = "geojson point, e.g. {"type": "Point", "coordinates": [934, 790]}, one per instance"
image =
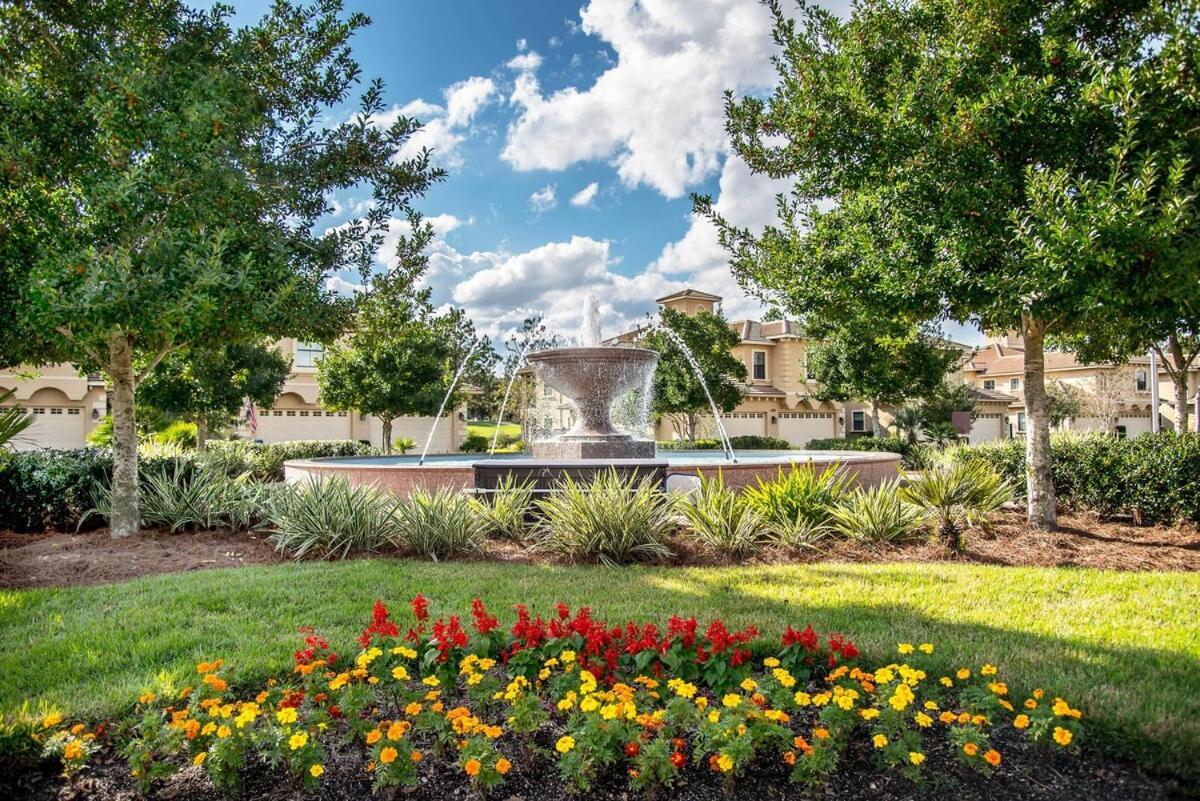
{"type": "Point", "coordinates": [573, 133]}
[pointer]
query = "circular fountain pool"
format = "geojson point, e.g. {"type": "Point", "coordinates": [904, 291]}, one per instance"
{"type": "Point", "coordinates": [403, 474]}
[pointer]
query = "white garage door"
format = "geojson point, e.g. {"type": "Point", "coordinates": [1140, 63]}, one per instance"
{"type": "Point", "coordinates": [53, 427]}
{"type": "Point", "coordinates": [800, 427]}
{"type": "Point", "coordinates": [985, 428]}
{"type": "Point", "coordinates": [743, 424]}
{"type": "Point", "coordinates": [285, 425]}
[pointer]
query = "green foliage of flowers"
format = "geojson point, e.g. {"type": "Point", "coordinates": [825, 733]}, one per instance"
{"type": "Point", "coordinates": [721, 518]}
{"type": "Point", "coordinates": [877, 514]}
{"type": "Point", "coordinates": [330, 518]}
{"type": "Point", "coordinates": [612, 520]}
{"type": "Point", "coordinates": [440, 524]}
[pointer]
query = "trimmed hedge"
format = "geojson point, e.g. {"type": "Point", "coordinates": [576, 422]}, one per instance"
{"type": "Point", "coordinates": [1155, 478]}
{"type": "Point", "coordinates": [744, 442]}
{"type": "Point", "coordinates": [48, 489]}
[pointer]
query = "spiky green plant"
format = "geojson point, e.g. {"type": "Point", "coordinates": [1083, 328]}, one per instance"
{"type": "Point", "coordinates": [507, 509]}
{"type": "Point", "coordinates": [722, 519]}
{"type": "Point", "coordinates": [797, 505]}
{"type": "Point", "coordinates": [958, 494]}
{"type": "Point", "coordinates": [182, 496]}
{"type": "Point", "coordinates": [877, 514]}
{"type": "Point", "coordinates": [13, 419]}
{"type": "Point", "coordinates": [331, 518]}
{"type": "Point", "coordinates": [613, 520]}
{"type": "Point", "coordinates": [440, 524]}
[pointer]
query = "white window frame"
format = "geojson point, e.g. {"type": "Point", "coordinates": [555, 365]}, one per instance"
{"type": "Point", "coordinates": [754, 366]}
{"type": "Point", "coordinates": [989, 383]}
{"type": "Point", "coordinates": [309, 354]}
{"type": "Point", "coordinates": [1141, 380]}
{"type": "Point", "coordinates": [1021, 422]}
{"type": "Point", "coordinates": [858, 420]}
{"type": "Point", "coordinates": [1014, 383]}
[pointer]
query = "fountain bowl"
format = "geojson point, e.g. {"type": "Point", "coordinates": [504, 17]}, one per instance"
{"type": "Point", "coordinates": [592, 378]}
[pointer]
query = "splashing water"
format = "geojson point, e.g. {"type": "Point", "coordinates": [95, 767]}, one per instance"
{"type": "Point", "coordinates": [442, 409]}
{"type": "Point", "coordinates": [507, 391]}
{"type": "Point", "coordinates": [687, 353]}
{"type": "Point", "coordinates": [589, 336]}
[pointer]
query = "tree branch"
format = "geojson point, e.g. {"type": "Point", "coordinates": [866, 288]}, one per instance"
{"type": "Point", "coordinates": [154, 362]}
{"type": "Point", "coordinates": [91, 352]}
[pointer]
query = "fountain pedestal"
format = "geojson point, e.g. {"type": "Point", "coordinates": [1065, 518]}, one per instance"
{"type": "Point", "coordinates": [591, 378]}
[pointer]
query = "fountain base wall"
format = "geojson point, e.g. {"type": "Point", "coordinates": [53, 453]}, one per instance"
{"type": "Point", "coordinates": [572, 449]}
{"type": "Point", "coordinates": [547, 475]}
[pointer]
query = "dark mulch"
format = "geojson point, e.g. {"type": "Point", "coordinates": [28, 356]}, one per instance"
{"type": "Point", "coordinates": [94, 557]}
{"type": "Point", "coordinates": [1027, 774]}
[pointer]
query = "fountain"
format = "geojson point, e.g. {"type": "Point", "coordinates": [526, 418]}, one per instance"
{"type": "Point", "coordinates": [592, 377]}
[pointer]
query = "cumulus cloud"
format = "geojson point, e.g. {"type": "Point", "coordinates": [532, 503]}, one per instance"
{"type": "Point", "coordinates": [657, 113]}
{"type": "Point", "coordinates": [446, 126]}
{"type": "Point", "coordinates": [544, 199]}
{"type": "Point", "coordinates": [585, 196]}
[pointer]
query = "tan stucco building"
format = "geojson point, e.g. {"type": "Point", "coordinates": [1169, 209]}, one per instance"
{"type": "Point", "coordinates": [68, 406]}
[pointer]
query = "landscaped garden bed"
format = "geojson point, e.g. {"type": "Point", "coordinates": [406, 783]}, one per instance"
{"type": "Point", "coordinates": [555, 707]}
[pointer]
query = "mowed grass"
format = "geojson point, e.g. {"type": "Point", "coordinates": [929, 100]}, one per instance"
{"type": "Point", "coordinates": [1123, 646]}
{"type": "Point", "coordinates": [488, 429]}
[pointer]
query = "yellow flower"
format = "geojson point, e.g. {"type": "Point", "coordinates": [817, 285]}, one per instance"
{"type": "Point", "coordinates": [963, 674]}
{"type": "Point", "coordinates": [52, 719]}
{"type": "Point", "coordinates": [589, 704]}
{"type": "Point", "coordinates": [714, 716]}
{"type": "Point", "coordinates": [316, 770]}
{"type": "Point", "coordinates": [731, 701]}
{"type": "Point", "coordinates": [374, 736]}
{"type": "Point", "coordinates": [199, 758]}
{"type": "Point", "coordinates": [725, 763]}
{"type": "Point", "coordinates": [802, 698]}
{"type": "Point", "coordinates": [431, 681]}
{"type": "Point", "coordinates": [946, 681]}
{"type": "Point", "coordinates": [339, 681]}
{"type": "Point", "coordinates": [567, 657]}
{"type": "Point", "coordinates": [771, 662]}
{"type": "Point", "coordinates": [916, 757]}
{"type": "Point", "coordinates": [998, 687]}
{"type": "Point", "coordinates": [396, 730]}
{"type": "Point", "coordinates": [564, 744]}
{"type": "Point", "coordinates": [931, 705]}
{"type": "Point", "coordinates": [905, 648]}
{"type": "Point", "coordinates": [1021, 722]}
{"type": "Point", "coordinates": [879, 740]}
{"type": "Point", "coordinates": [298, 740]}
{"type": "Point", "coordinates": [923, 720]}
{"type": "Point", "coordinates": [388, 755]}
{"type": "Point", "coordinates": [970, 749]}
{"type": "Point", "coordinates": [472, 767]}
{"type": "Point", "coordinates": [749, 685]}
{"type": "Point", "coordinates": [286, 715]}
{"type": "Point", "coordinates": [224, 731]}
{"type": "Point", "coordinates": [73, 750]}
{"type": "Point", "coordinates": [925, 648]}
{"type": "Point", "coordinates": [209, 728]}
{"type": "Point", "coordinates": [146, 698]}
{"type": "Point", "coordinates": [1062, 736]}
{"type": "Point", "coordinates": [413, 709]}
{"type": "Point", "coordinates": [987, 670]}
{"type": "Point", "coordinates": [868, 714]}
{"type": "Point", "coordinates": [503, 766]}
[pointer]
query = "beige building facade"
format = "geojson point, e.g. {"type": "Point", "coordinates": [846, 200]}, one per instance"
{"type": "Point", "coordinates": [68, 406]}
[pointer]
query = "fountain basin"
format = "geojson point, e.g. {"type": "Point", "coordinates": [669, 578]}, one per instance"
{"type": "Point", "coordinates": [402, 474]}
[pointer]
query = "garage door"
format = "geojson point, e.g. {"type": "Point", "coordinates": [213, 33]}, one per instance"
{"type": "Point", "coordinates": [985, 428]}
{"type": "Point", "coordinates": [285, 425]}
{"type": "Point", "coordinates": [53, 427]}
{"type": "Point", "coordinates": [742, 424]}
{"type": "Point", "coordinates": [800, 427]}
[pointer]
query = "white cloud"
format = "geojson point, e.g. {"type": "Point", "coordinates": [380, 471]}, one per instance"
{"type": "Point", "coordinates": [420, 108]}
{"type": "Point", "coordinates": [522, 43]}
{"type": "Point", "coordinates": [341, 286]}
{"type": "Point", "coordinates": [525, 62]}
{"type": "Point", "coordinates": [544, 199]}
{"type": "Point", "coordinates": [444, 127]}
{"type": "Point", "coordinates": [465, 98]}
{"type": "Point", "coordinates": [657, 114]}
{"type": "Point", "coordinates": [585, 196]}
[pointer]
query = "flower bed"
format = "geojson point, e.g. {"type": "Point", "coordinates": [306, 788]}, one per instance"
{"type": "Point", "coordinates": [636, 705]}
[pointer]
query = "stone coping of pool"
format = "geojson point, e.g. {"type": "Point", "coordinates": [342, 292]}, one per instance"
{"type": "Point", "coordinates": [402, 474]}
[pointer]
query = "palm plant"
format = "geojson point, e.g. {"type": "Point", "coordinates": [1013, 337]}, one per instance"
{"type": "Point", "coordinates": [723, 519]}
{"type": "Point", "coordinates": [878, 514]}
{"type": "Point", "coordinates": [13, 419]}
{"type": "Point", "coordinates": [614, 520]}
{"type": "Point", "coordinates": [958, 494]}
{"type": "Point", "coordinates": [909, 420]}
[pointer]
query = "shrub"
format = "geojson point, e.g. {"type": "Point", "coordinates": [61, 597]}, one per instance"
{"type": "Point", "coordinates": [180, 432]}
{"type": "Point", "coordinates": [475, 443]}
{"type": "Point", "coordinates": [404, 445]}
{"type": "Point", "coordinates": [186, 497]}
{"type": "Point", "coordinates": [440, 524]}
{"type": "Point", "coordinates": [507, 509]}
{"type": "Point", "coordinates": [51, 489]}
{"type": "Point", "coordinates": [684, 445]}
{"type": "Point", "coordinates": [102, 435]}
{"type": "Point", "coordinates": [878, 514]}
{"type": "Point", "coordinates": [797, 505]}
{"type": "Point", "coordinates": [755, 442]}
{"type": "Point", "coordinates": [265, 462]}
{"type": "Point", "coordinates": [958, 494]}
{"type": "Point", "coordinates": [887, 444]}
{"type": "Point", "coordinates": [722, 519]}
{"type": "Point", "coordinates": [614, 520]}
{"type": "Point", "coordinates": [331, 518]}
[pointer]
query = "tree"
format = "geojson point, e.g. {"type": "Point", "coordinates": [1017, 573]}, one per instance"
{"type": "Point", "coordinates": [1065, 401]}
{"type": "Point", "coordinates": [934, 126]}
{"type": "Point", "coordinates": [400, 355]}
{"type": "Point", "coordinates": [208, 386]}
{"type": "Point", "coordinates": [677, 389]}
{"type": "Point", "coordinates": [161, 177]}
{"type": "Point", "coordinates": [938, 408]}
{"type": "Point", "coordinates": [531, 337]}
{"type": "Point", "coordinates": [1108, 395]}
{"type": "Point", "coordinates": [859, 362]}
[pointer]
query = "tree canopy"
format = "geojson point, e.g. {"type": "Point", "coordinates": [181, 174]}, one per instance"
{"type": "Point", "coordinates": [161, 177]}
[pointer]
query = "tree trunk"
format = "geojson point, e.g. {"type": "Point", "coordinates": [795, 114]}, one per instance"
{"type": "Point", "coordinates": [692, 423]}
{"type": "Point", "coordinates": [124, 516]}
{"type": "Point", "coordinates": [201, 432]}
{"type": "Point", "coordinates": [1039, 471]}
{"type": "Point", "coordinates": [387, 435]}
{"type": "Point", "coordinates": [876, 429]}
{"type": "Point", "coordinates": [1177, 369]}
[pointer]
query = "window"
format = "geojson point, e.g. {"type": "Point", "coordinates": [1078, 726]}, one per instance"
{"type": "Point", "coordinates": [759, 361]}
{"type": "Point", "coordinates": [808, 373]}
{"type": "Point", "coordinates": [308, 354]}
{"type": "Point", "coordinates": [858, 420]}
{"type": "Point", "coordinates": [1142, 383]}
{"type": "Point", "coordinates": [989, 383]}
{"type": "Point", "coordinates": [1021, 422]}
{"type": "Point", "coordinates": [1014, 383]}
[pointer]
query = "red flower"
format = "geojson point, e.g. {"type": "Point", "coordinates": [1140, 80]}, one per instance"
{"type": "Point", "coordinates": [483, 621]}
{"type": "Point", "coordinates": [806, 639]}
{"type": "Point", "coordinates": [563, 610]}
{"type": "Point", "coordinates": [379, 625]}
{"type": "Point", "coordinates": [420, 607]}
{"type": "Point", "coordinates": [678, 760]}
{"type": "Point", "coordinates": [632, 750]}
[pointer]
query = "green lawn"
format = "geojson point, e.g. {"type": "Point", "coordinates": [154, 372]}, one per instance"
{"type": "Point", "coordinates": [488, 429]}
{"type": "Point", "coordinates": [1123, 646]}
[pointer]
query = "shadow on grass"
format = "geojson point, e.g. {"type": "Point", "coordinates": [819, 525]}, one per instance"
{"type": "Point", "coordinates": [1121, 646]}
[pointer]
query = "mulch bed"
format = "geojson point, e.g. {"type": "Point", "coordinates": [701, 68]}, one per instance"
{"type": "Point", "coordinates": [1028, 773]}
{"type": "Point", "coordinates": [67, 559]}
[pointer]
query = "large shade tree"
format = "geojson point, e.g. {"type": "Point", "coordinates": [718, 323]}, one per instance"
{"type": "Point", "coordinates": [679, 393]}
{"type": "Point", "coordinates": [933, 125]}
{"type": "Point", "coordinates": [161, 177]}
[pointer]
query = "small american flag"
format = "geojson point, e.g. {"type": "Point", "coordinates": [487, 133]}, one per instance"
{"type": "Point", "coordinates": [251, 418]}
